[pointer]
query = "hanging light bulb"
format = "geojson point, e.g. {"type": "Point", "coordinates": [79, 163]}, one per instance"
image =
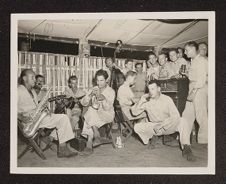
{"type": "Point", "coordinates": [118, 46]}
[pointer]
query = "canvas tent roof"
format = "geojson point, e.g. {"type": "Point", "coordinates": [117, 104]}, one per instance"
{"type": "Point", "coordinates": [131, 32]}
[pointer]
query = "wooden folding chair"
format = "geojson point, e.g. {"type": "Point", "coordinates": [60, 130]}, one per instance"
{"type": "Point", "coordinates": [33, 143]}
{"type": "Point", "coordinates": [123, 120]}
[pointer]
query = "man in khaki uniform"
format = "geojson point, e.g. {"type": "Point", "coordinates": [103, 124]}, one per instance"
{"type": "Point", "coordinates": [100, 110]}
{"type": "Point", "coordinates": [164, 119]}
{"type": "Point", "coordinates": [176, 63]}
{"type": "Point", "coordinates": [140, 82]}
{"type": "Point", "coordinates": [76, 94]}
{"type": "Point", "coordinates": [203, 49]}
{"type": "Point", "coordinates": [196, 105]}
{"type": "Point", "coordinates": [126, 96]}
{"type": "Point", "coordinates": [165, 70]}
{"type": "Point", "coordinates": [28, 103]}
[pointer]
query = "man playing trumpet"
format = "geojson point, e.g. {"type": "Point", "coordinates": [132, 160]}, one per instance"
{"type": "Point", "coordinates": [100, 111]}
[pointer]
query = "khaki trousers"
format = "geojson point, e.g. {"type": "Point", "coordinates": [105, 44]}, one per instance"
{"type": "Point", "coordinates": [198, 110]}
{"type": "Point", "coordinates": [62, 124]}
{"type": "Point", "coordinates": [147, 129]}
{"type": "Point", "coordinates": [94, 118]}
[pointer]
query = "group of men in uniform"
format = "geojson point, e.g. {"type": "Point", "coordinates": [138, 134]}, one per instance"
{"type": "Point", "coordinates": [157, 112]}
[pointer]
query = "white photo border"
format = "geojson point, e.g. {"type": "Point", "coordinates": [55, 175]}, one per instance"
{"type": "Point", "coordinates": [210, 169]}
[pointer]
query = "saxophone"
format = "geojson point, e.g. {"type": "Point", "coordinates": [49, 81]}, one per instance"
{"type": "Point", "coordinates": [31, 125]}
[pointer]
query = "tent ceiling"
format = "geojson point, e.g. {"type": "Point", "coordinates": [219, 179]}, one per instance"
{"type": "Point", "coordinates": [131, 32]}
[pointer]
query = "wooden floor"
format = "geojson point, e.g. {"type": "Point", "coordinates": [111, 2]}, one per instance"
{"type": "Point", "coordinates": [134, 154]}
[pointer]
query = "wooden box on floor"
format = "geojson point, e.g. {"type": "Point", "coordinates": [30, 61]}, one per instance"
{"type": "Point", "coordinates": [78, 143]}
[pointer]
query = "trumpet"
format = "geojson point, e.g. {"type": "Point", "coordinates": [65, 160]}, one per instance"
{"type": "Point", "coordinates": [96, 97]}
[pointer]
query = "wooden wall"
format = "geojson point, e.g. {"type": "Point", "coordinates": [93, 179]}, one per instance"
{"type": "Point", "coordinates": [57, 68]}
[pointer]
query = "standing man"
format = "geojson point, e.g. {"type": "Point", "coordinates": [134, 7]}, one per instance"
{"type": "Point", "coordinates": [203, 49]}
{"type": "Point", "coordinates": [75, 94]}
{"type": "Point", "coordinates": [113, 73]}
{"type": "Point", "coordinates": [152, 66]}
{"type": "Point", "coordinates": [165, 70]}
{"type": "Point", "coordinates": [164, 119]}
{"type": "Point", "coordinates": [180, 52]}
{"type": "Point", "coordinates": [140, 82]}
{"type": "Point", "coordinates": [27, 105]}
{"type": "Point", "coordinates": [176, 63]}
{"type": "Point", "coordinates": [128, 66]}
{"type": "Point", "coordinates": [196, 105]}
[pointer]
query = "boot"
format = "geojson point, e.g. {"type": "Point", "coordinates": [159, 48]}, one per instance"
{"type": "Point", "coordinates": [63, 151]}
{"type": "Point", "coordinates": [187, 153]}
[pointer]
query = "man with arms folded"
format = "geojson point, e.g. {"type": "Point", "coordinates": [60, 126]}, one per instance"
{"type": "Point", "coordinates": [164, 119]}
{"type": "Point", "coordinates": [140, 82]}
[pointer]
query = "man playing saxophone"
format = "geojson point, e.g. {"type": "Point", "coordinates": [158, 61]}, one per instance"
{"type": "Point", "coordinates": [28, 104]}
{"type": "Point", "coordinates": [100, 111]}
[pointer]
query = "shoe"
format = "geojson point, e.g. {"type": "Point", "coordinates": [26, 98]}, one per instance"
{"type": "Point", "coordinates": [101, 140]}
{"type": "Point", "coordinates": [65, 152]}
{"type": "Point", "coordinates": [115, 126]}
{"type": "Point", "coordinates": [187, 153]}
{"type": "Point", "coordinates": [172, 143]}
{"type": "Point", "coordinates": [96, 142]}
{"type": "Point", "coordinates": [153, 142]}
{"type": "Point", "coordinates": [87, 151]}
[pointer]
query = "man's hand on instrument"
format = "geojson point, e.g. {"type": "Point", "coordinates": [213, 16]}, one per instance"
{"type": "Point", "coordinates": [143, 99]}
{"type": "Point", "coordinates": [76, 100]}
{"type": "Point", "coordinates": [95, 91]}
{"type": "Point", "coordinates": [45, 105]}
{"type": "Point", "coordinates": [101, 97]}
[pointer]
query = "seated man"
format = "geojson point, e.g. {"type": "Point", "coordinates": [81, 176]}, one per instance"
{"type": "Point", "coordinates": [100, 111]}
{"type": "Point", "coordinates": [39, 82]}
{"type": "Point", "coordinates": [28, 103]}
{"type": "Point", "coordinates": [164, 119]}
{"type": "Point", "coordinates": [126, 96]}
{"type": "Point", "coordinates": [74, 93]}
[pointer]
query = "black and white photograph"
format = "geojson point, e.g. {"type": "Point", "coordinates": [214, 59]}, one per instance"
{"type": "Point", "coordinates": [113, 93]}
